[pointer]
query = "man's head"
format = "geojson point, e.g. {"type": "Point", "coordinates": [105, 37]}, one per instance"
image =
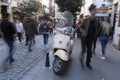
{"type": "Point", "coordinates": [92, 9]}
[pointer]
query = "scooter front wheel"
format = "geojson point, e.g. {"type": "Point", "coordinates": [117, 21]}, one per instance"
{"type": "Point", "coordinates": [58, 65]}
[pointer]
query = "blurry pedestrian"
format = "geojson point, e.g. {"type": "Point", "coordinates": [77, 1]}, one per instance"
{"type": "Point", "coordinates": [30, 31]}
{"type": "Point", "coordinates": [19, 27]}
{"type": "Point", "coordinates": [89, 30]}
{"type": "Point", "coordinates": [105, 33]}
{"type": "Point", "coordinates": [78, 25]}
{"type": "Point", "coordinates": [45, 28]}
{"type": "Point", "coordinates": [8, 29]}
{"type": "Point", "coordinates": [51, 27]}
{"type": "Point", "coordinates": [78, 29]}
{"type": "Point", "coordinates": [95, 39]}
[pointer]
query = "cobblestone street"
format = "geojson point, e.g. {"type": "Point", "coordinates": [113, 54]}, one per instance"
{"type": "Point", "coordinates": [24, 60]}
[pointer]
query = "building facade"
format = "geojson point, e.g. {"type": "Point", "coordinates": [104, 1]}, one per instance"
{"type": "Point", "coordinates": [116, 17]}
{"type": "Point", "coordinates": [84, 9]}
{"type": "Point", "coordinates": [3, 7]}
{"type": "Point", "coordinates": [6, 6]}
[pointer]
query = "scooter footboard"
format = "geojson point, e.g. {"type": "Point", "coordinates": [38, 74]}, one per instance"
{"type": "Point", "coordinates": [62, 54]}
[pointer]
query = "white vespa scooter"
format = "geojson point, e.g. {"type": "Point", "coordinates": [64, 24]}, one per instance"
{"type": "Point", "coordinates": [62, 49]}
{"type": "Point", "coordinates": [63, 44]}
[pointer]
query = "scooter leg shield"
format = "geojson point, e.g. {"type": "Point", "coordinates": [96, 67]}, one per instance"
{"type": "Point", "coordinates": [62, 55]}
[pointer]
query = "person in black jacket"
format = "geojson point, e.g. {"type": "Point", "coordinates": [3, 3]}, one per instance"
{"type": "Point", "coordinates": [8, 30]}
{"type": "Point", "coordinates": [30, 31]}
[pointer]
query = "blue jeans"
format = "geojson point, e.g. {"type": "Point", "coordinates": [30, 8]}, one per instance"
{"type": "Point", "coordinates": [104, 39]}
{"type": "Point", "coordinates": [45, 36]}
{"type": "Point", "coordinates": [11, 52]}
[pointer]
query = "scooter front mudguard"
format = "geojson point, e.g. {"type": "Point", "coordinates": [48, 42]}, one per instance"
{"type": "Point", "coordinates": [62, 55]}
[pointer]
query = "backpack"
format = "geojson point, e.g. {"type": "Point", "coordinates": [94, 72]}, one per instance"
{"type": "Point", "coordinates": [45, 28]}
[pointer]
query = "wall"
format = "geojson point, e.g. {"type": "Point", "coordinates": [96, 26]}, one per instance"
{"type": "Point", "coordinates": [117, 28]}
{"type": "Point", "coordinates": [58, 14]}
{"type": "Point", "coordinates": [100, 2]}
{"type": "Point", "coordinates": [84, 9]}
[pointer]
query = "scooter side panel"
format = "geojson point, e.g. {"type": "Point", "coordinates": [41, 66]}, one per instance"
{"type": "Point", "coordinates": [62, 54]}
{"type": "Point", "coordinates": [61, 41]}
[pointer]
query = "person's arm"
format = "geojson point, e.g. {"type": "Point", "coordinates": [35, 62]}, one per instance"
{"type": "Point", "coordinates": [40, 28]}
{"type": "Point", "coordinates": [21, 24]}
{"type": "Point", "coordinates": [13, 28]}
{"type": "Point", "coordinates": [82, 27]}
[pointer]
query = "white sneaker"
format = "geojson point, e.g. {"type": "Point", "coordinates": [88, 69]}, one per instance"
{"type": "Point", "coordinates": [102, 57]}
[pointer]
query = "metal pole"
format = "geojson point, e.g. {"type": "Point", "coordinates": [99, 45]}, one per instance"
{"type": "Point", "coordinates": [47, 61]}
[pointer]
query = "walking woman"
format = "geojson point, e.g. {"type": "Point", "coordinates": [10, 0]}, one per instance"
{"type": "Point", "coordinates": [105, 32]}
{"type": "Point", "coordinates": [19, 27]}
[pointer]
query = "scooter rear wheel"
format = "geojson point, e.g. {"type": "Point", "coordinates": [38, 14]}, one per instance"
{"type": "Point", "coordinates": [58, 65]}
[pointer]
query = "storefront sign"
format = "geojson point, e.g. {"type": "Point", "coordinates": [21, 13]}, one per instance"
{"type": "Point", "coordinates": [102, 10]}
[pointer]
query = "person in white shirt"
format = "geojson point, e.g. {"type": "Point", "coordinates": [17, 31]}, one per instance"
{"type": "Point", "coordinates": [19, 27]}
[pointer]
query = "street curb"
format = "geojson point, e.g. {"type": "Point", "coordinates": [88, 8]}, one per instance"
{"type": "Point", "coordinates": [30, 66]}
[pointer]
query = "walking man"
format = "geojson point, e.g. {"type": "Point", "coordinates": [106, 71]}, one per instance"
{"type": "Point", "coordinates": [89, 30]}
{"type": "Point", "coordinates": [30, 31]}
{"type": "Point", "coordinates": [8, 29]}
{"type": "Point", "coordinates": [44, 28]}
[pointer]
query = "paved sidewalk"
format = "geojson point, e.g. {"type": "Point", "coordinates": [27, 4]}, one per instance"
{"type": "Point", "coordinates": [24, 60]}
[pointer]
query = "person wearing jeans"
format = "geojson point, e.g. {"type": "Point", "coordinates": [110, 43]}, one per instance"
{"type": "Point", "coordinates": [45, 28]}
{"type": "Point", "coordinates": [45, 38]}
{"type": "Point", "coordinates": [105, 32]}
{"type": "Point", "coordinates": [8, 30]}
{"type": "Point", "coordinates": [104, 39]}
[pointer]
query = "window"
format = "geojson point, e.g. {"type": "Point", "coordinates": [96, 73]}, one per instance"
{"type": "Point", "coordinates": [103, 5]}
{"type": "Point", "coordinates": [5, 1]}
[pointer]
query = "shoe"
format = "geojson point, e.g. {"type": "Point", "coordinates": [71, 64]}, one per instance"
{"type": "Point", "coordinates": [89, 66]}
{"type": "Point", "coordinates": [11, 60]}
{"type": "Point", "coordinates": [26, 44]}
{"type": "Point", "coordinates": [102, 57]}
{"type": "Point", "coordinates": [30, 50]}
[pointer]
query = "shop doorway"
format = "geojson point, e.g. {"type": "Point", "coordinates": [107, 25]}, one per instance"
{"type": "Point", "coordinates": [3, 9]}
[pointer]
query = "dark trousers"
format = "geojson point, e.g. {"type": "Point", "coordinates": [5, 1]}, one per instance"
{"type": "Point", "coordinates": [88, 46]}
{"type": "Point", "coordinates": [19, 36]}
{"type": "Point", "coordinates": [94, 45]}
{"type": "Point", "coordinates": [27, 39]}
{"type": "Point", "coordinates": [45, 36]}
{"type": "Point", "coordinates": [30, 40]}
{"type": "Point", "coordinates": [10, 44]}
